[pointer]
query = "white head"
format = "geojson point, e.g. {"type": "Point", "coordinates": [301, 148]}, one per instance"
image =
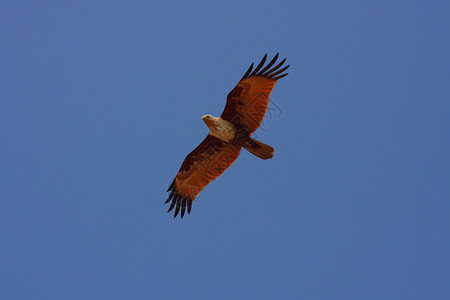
{"type": "Point", "coordinates": [209, 120]}
{"type": "Point", "coordinates": [206, 117]}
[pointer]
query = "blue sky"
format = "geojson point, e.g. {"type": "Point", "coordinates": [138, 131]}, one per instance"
{"type": "Point", "coordinates": [100, 102]}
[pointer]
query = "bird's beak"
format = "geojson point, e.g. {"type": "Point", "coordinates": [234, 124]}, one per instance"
{"type": "Point", "coordinates": [203, 118]}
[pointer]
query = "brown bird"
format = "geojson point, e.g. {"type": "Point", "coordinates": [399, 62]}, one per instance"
{"type": "Point", "coordinates": [245, 109]}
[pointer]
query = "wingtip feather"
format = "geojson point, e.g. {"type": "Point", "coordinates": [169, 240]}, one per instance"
{"type": "Point", "coordinates": [183, 207]}
{"type": "Point", "coordinates": [177, 208]}
{"type": "Point", "coordinates": [189, 206]}
{"type": "Point", "coordinates": [266, 71]}
{"type": "Point", "coordinates": [259, 66]}
{"type": "Point", "coordinates": [172, 185]}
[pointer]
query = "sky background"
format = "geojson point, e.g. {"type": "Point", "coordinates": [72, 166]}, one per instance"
{"type": "Point", "coordinates": [101, 101]}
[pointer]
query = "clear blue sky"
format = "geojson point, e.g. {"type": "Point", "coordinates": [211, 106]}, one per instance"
{"type": "Point", "coordinates": [100, 102]}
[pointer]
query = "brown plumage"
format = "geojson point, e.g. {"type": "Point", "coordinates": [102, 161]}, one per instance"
{"type": "Point", "coordinates": [245, 109]}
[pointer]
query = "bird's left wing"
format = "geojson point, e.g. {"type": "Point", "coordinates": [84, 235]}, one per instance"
{"type": "Point", "coordinates": [207, 162]}
{"type": "Point", "coordinates": [248, 101]}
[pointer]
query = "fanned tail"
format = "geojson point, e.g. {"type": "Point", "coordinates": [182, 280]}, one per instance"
{"type": "Point", "coordinates": [259, 149]}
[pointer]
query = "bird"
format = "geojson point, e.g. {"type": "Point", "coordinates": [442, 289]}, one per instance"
{"type": "Point", "coordinates": [244, 111]}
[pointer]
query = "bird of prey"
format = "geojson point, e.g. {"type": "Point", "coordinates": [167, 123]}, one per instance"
{"type": "Point", "coordinates": [244, 111]}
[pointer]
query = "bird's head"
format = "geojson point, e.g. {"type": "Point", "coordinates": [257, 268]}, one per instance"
{"type": "Point", "coordinates": [208, 119]}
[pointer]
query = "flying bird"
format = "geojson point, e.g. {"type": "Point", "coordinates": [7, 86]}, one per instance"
{"type": "Point", "coordinates": [244, 111]}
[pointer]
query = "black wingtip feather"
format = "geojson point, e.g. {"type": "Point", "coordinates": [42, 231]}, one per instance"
{"type": "Point", "coordinates": [177, 209]}
{"type": "Point", "coordinates": [183, 207]}
{"type": "Point", "coordinates": [268, 65]}
{"type": "Point", "coordinates": [248, 72]}
{"type": "Point", "coordinates": [179, 202]}
{"type": "Point", "coordinates": [278, 72]}
{"type": "Point", "coordinates": [267, 71]}
{"type": "Point", "coordinates": [281, 76]}
{"type": "Point", "coordinates": [259, 66]}
{"type": "Point", "coordinates": [170, 197]}
{"type": "Point", "coordinates": [189, 205]}
{"type": "Point", "coordinates": [174, 201]}
{"type": "Point", "coordinates": [172, 185]}
{"type": "Point", "coordinates": [274, 68]}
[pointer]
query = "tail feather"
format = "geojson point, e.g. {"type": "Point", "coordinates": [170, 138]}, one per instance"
{"type": "Point", "coordinates": [259, 149]}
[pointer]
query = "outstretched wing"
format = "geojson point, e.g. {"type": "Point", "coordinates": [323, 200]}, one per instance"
{"type": "Point", "coordinates": [247, 102]}
{"type": "Point", "coordinates": [207, 162]}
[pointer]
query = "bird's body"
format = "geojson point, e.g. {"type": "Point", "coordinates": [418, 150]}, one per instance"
{"type": "Point", "coordinates": [245, 109]}
{"type": "Point", "coordinates": [220, 128]}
